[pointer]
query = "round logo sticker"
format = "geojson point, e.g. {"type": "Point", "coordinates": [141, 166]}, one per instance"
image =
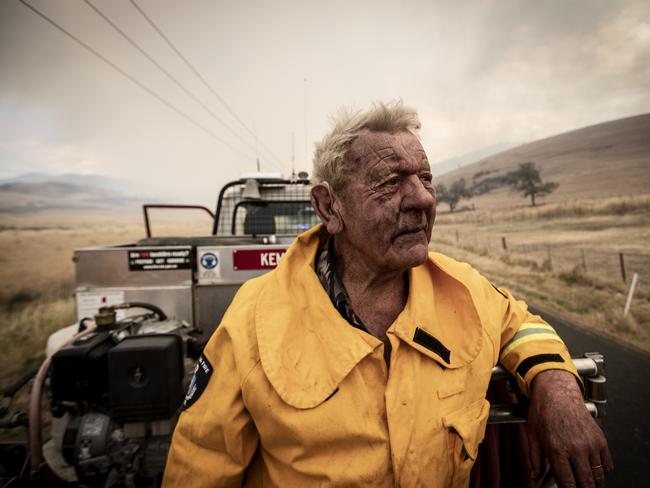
{"type": "Point", "coordinates": [209, 260]}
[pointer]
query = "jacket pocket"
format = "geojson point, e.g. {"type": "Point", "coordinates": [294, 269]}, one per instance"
{"type": "Point", "coordinates": [465, 431]}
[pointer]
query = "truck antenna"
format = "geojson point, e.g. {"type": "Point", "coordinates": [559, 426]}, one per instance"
{"type": "Point", "coordinates": [257, 152]}
{"type": "Point", "coordinates": [293, 155]}
{"type": "Point", "coordinates": [306, 132]}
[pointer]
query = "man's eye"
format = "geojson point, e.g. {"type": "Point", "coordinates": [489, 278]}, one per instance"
{"type": "Point", "coordinates": [427, 177]}
{"type": "Point", "coordinates": [392, 181]}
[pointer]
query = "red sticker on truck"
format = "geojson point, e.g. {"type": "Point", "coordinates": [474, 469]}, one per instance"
{"type": "Point", "coordinates": [247, 259]}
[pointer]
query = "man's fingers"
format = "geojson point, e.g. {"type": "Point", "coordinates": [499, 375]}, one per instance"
{"type": "Point", "coordinates": [606, 459]}
{"type": "Point", "coordinates": [583, 472]}
{"type": "Point", "coordinates": [562, 472]}
{"type": "Point", "coordinates": [597, 470]}
{"type": "Point", "coordinates": [536, 456]}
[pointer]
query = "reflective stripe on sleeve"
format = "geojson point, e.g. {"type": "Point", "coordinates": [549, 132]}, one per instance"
{"type": "Point", "coordinates": [532, 325]}
{"type": "Point", "coordinates": [529, 332]}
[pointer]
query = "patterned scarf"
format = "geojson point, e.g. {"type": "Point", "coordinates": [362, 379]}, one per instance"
{"type": "Point", "coordinates": [326, 271]}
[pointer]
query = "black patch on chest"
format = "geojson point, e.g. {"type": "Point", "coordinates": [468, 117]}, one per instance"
{"type": "Point", "coordinates": [199, 382]}
{"type": "Point", "coordinates": [425, 339]}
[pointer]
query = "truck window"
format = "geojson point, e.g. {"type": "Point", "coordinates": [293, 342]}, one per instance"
{"type": "Point", "coordinates": [273, 217]}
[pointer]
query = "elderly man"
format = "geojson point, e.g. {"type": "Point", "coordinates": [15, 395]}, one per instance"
{"type": "Point", "coordinates": [363, 359]}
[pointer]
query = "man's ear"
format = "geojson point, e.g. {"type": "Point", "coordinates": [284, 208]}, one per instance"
{"type": "Point", "coordinates": [327, 207]}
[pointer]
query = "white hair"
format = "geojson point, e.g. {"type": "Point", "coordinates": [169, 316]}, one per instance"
{"type": "Point", "coordinates": [330, 161]}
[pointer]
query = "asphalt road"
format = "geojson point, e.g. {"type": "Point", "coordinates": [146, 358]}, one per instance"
{"type": "Point", "coordinates": [627, 424]}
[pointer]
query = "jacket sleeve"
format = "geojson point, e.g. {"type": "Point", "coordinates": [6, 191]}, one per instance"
{"type": "Point", "coordinates": [529, 345]}
{"type": "Point", "coordinates": [215, 438]}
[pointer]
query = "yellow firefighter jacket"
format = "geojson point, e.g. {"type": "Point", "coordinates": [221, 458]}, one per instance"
{"type": "Point", "coordinates": [294, 396]}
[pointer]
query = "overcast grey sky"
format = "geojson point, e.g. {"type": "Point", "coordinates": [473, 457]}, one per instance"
{"type": "Point", "coordinates": [480, 73]}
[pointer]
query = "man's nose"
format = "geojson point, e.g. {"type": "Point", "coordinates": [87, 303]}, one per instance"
{"type": "Point", "coordinates": [417, 194]}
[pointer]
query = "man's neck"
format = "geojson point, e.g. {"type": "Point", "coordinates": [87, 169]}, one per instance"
{"type": "Point", "coordinates": [376, 296]}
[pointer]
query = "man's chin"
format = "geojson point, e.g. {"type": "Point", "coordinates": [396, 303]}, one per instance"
{"type": "Point", "coordinates": [413, 255]}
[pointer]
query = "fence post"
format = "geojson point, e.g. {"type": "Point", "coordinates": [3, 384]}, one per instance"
{"type": "Point", "coordinates": [456, 236]}
{"type": "Point", "coordinates": [503, 243]}
{"type": "Point", "coordinates": [630, 293]}
{"type": "Point", "coordinates": [584, 261]}
{"type": "Point", "coordinates": [550, 262]}
{"type": "Point", "coordinates": [622, 260]}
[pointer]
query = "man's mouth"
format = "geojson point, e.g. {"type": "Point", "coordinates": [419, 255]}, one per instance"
{"type": "Point", "coordinates": [409, 230]}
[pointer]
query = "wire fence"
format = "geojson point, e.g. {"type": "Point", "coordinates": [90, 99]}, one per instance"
{"type": "Point", "coordinates": [552, 257]}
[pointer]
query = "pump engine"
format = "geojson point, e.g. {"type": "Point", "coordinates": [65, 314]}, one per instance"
{"type": "Point", "coordinates": [115, 395]}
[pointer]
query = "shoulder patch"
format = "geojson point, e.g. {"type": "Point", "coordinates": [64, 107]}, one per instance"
{"type": "Point", "coordinates": [202, 372]}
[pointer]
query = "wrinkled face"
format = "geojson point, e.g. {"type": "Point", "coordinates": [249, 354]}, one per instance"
{"type": "Point", "coordinates": [389, 202]}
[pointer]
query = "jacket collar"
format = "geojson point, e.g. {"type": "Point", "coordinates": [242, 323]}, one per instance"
{"type": "Point", "coordinates": [306, 348]}
{"type": "Point", "coordinates": [440, 319]}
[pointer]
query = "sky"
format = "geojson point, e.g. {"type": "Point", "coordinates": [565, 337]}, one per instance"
{"type": "Point", "coordinates": [479, 73]}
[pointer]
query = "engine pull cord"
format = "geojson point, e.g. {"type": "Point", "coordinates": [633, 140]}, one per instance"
{"type": "Point", "coordinates": [35, 434]}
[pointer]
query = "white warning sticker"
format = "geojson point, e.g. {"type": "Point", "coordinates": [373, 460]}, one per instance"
{"type": "Point", "coordinates": [89, 302]}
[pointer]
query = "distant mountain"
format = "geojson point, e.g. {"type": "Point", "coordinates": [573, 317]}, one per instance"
{"type": "Point", "coordinates": [83, 180]}
{"type": "Point", "coordinates": [32, 193]}
{"type": "Point", "coordinates": [45, 189]}
{"type": "Point", "coordinates": [451, 164]}
{"type": "Point", "coordinates": [602, 160]}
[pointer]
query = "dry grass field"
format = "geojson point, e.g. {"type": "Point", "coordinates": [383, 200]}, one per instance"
{"type": "Point", "coordinates": [564, 257]}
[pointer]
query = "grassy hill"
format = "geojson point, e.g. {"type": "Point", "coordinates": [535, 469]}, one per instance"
{"type": "Point", "coordinates": [603, 160]}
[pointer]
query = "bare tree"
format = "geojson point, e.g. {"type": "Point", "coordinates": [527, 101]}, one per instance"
{"type": "Point", "coordinates": [453, 194]}
{"type": "Point", "coordinates": [527, 181]}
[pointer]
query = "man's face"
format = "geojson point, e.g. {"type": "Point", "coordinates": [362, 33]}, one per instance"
{"type": "Point", "coordinates": [389, 202]}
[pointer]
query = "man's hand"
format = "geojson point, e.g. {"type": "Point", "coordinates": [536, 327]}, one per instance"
{"type": "Point", "coordinates": [560, 427]}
